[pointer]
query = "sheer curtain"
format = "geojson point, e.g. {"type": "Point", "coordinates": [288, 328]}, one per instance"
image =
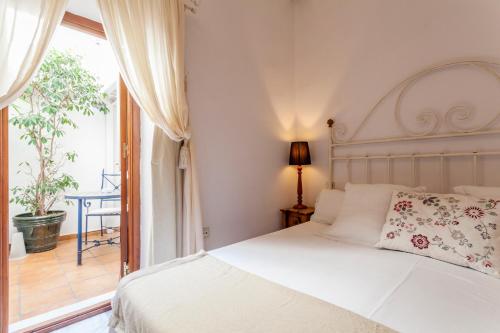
{"type": "Point", "coordinates": [148, 40]}
{"type": "Point", "coordinates": [26, 27]}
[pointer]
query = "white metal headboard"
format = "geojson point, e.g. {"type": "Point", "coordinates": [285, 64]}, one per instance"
{"type": "Point", "coordinates": [430, 120]}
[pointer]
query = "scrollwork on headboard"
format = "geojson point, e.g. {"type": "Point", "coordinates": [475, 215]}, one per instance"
{"type": "Point", "coordinates": [431, 120]}
{"type": "Point", "coordinates": [433, 123]}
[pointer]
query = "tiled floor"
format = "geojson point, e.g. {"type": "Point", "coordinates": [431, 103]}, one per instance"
{"type": "Point", "coordinates": [45, 281]}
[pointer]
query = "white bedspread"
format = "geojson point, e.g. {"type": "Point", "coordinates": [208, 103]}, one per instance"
{"type": "Point", "coordinates": [201, 293]}
{"type": "Point", "coordinates": [406, 292]}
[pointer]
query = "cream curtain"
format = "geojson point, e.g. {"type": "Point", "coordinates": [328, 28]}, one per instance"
{"type": "Point", "coordinates": [148, 40]}
{"type": "Point", "coordinates": [26, 27]}
{"type": "Point", "coordinates": [165, 235]}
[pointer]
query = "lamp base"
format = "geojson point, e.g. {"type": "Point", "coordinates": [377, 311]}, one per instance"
{"type": "Point", "coordinates": [300, 206]}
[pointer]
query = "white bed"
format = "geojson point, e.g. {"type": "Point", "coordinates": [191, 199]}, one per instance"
{"type": "Point", "coordinates": [403, 291]}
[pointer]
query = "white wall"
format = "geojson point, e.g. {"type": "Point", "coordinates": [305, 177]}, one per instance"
{"type": "Point", "coordinates": [85, 8]}
{"type": "Point", "coordinates": [350, 53]}
{"type": "Point", "coordinates": [240, 82]}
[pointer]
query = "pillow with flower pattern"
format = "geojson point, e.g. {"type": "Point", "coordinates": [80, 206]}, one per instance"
{"type": "Point", "coordinates": [459, 229]}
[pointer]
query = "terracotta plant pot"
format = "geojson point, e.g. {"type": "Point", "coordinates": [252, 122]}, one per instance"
{"type": "Point", "coordinates": [41, 233]}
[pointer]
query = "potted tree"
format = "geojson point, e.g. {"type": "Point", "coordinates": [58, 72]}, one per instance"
{"type": "Point", "coordinates": [61, 88]}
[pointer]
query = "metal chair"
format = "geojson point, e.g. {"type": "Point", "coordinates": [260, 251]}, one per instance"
{"type": "Point", "coordinates": [109, 181]}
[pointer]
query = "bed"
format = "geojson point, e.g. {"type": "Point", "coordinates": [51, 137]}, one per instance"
{"type": "Point", "coordinates": [300, 279]}
{"type": "Point", "coordinates": [400, 290]}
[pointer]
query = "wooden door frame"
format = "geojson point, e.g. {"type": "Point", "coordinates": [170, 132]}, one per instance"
{"type": "Point", "coordinates": [130, 138]}
{"type": "Point", "coordinates": [4, 220]}
{"type": "Point", "coordinates": [130, 217]}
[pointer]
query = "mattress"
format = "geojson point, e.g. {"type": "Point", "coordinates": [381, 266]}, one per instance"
{"type": "Point", "coordinates": [406, 292]}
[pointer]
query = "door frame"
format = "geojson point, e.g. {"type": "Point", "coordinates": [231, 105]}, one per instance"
{"type": "Point", "coordinates": [130, 218]}
{"type": "Point", "coordinates": [130, 138]}
{"type": "Point", "coordinates": [4, 220]}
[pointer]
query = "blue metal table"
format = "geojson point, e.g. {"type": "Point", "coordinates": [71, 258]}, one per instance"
{"type": "Point", "coordinates": [84, 201]}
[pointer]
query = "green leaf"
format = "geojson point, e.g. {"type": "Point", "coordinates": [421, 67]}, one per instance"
{"type": "Point", "coordinates": [61, 86]}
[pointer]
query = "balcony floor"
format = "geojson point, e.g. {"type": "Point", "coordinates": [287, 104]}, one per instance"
{"type": "Point", "coordinates": [45, 281]}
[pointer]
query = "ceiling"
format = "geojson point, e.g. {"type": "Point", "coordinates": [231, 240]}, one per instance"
{"type": "Point", "coordinates": [85, 8]}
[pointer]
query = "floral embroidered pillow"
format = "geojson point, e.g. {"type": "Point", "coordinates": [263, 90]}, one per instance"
{"type": "Point", "coordinates": [459, 229]}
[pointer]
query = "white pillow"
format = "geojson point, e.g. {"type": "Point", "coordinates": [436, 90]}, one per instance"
{"type": "Point", "coordinates": [478, 191]}
{"type": "Point", "coordinates": [363, 212]}
{"type": "Point", "coordinates": [328, 206]}
{"type": "Point", "coordinates": [459, 229]}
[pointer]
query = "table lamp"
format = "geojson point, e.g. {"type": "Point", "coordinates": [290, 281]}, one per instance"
{"type": "Point", "coordinates": [299, 156]}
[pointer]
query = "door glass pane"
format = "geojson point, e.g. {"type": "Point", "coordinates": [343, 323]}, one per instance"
{"type": "Point", "coordinates": [67, 125]}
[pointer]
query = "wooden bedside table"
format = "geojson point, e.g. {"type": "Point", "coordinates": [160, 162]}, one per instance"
{"type": "Point", "coordinates": [292, 216]}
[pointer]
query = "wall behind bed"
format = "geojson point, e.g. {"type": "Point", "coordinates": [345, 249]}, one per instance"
{"type": "Point", "coordinates": [350, 53]}
{"type": "Point", "coordinates": [240, 91]}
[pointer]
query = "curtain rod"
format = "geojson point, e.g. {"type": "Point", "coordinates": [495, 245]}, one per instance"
{"type": "Point", "coordinates": [192, 6]}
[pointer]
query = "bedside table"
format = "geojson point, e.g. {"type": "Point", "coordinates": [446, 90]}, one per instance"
{"type": "Point", "coordinates": [292, 216]}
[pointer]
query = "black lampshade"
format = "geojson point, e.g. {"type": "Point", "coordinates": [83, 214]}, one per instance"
{"type": "Point", "coordinates": [299, 154]}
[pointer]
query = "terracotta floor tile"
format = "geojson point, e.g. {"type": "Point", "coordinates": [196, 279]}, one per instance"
{"type": "Point", "coordinates": [70, 266]}
{"type": "Point", "coordinates": [66, 252]}
{"type": "Point", "coordinates": [36, 277]}
{"type": "Point", "coordinates": [45, 281]}
{"type": "Point", "coordinates": [41, 262]}
{"type": "Point", "coordinates": [103, 250]}
{"type": "Point", "coordinates": [66, 247]}
{"type": "Point", "coordinates": [70, 255]}
{"type": "Point", "coordinates": [112, 257]}
{"type": "Point", "coordinates": [42, 257]}
{"type": "Point", "coordinates": [44, 299]}
{"type": "Point", "coordinates": [38, 268]}
{"type": "Point", "coordinates": [48, 307]}
{"type": "Point", "coordinates": [95, 286]}
{"type": "Point", "coordinates": [113, 268]}
{"type": "Point", "coordinates": [44, 284]}
{"type": "Point", "coordinates": [84, 273]}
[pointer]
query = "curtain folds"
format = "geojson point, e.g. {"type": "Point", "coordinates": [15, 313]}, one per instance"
{"type": "Point", "coordinates": [148, 40]}
{"type": "Point", "coordinates": [26, 28]}
{"type": "Point", "coordinates": [166, 202]}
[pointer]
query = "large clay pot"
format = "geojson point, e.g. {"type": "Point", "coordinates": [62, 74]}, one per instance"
{"type": "Point", "coordinates": [41, 233]}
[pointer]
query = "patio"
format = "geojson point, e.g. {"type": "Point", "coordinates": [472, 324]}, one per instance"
{"type": "Point", "coordinates": [45, 281]}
